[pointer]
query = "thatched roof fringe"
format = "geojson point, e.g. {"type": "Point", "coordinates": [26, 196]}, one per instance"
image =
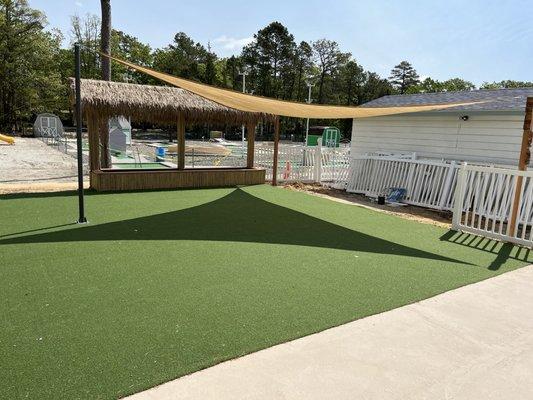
{"type": "Point", "coordinates": [156, 104]}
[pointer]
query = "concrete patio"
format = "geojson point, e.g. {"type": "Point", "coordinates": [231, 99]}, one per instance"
{"type": "Point", "coordinates": [475, 342]}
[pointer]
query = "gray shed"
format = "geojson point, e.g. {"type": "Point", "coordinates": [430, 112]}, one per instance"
{"type": "Point", "coordinates": [48, 125]}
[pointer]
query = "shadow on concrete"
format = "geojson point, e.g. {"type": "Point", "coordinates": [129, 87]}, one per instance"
{"type": "Point", "coordinates": [502, 251]}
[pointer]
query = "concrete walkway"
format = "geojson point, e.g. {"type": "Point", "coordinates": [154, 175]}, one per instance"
{"type": "Point", "coordinates": [475, 342]}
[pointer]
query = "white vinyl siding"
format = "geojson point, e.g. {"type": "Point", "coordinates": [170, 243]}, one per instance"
{"type": "Point", "coordinates": [485, 137]}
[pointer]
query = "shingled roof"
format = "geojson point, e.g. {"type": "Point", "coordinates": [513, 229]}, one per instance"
{"type": "Point", "coordinates": [493, 100]}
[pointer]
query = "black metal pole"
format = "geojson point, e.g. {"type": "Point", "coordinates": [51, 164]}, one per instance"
{"type": "Point", "coordinates": [79, 120]}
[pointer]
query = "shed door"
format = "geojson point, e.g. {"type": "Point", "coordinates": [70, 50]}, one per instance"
{"type": "Point", "coordinates": [330, 138]}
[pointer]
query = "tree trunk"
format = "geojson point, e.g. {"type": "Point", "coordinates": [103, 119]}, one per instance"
{"type": "Point", "coordinates": [105, 47]}
{"type": "Point", "coordinates": [105, 39]}
{"type": "Point", "coordinates": [321, 87]}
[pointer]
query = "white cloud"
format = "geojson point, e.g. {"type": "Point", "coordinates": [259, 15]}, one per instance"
{"type": "Point", "coordinates": [78, 3]}
{"type": "Point", "coordinates": [230, 43]}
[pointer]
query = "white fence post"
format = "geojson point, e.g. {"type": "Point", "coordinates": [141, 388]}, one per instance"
{"type": "Point", "coordinates": [447, 184]}
{"type": "Point", "coordinates": [318, 161]}
{"type": "Point", "coordinates": [459, 197]}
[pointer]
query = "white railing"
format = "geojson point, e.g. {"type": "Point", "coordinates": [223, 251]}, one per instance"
{"type": "Point", "coordinates": [306, 164]}
{"type": "Point", "coordinates": [334, 166]}
{"type": "Point", "coordinates": [428, 183]}
{"type": "Point", "coordinates": [484, 202]}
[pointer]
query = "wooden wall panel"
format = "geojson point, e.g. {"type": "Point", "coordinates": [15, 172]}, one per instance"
{"type": "Point", "coordinates": [117, 180]}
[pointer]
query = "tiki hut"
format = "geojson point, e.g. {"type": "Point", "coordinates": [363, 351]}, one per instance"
{"type": "Point", "coordinates": [102, 100]}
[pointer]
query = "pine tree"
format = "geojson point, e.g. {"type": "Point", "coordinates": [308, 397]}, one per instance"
{"type": "Point", "coordinates": [403, 76]}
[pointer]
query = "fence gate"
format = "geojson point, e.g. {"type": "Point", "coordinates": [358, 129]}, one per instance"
{"type": "Point", "coordinates": [495, 202]}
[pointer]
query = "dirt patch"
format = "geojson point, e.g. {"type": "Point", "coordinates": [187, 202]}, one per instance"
{"type": "Point", "coordinates": [438, 218]}
{"type": "Point", "coordinates": [40, 187]}
{"type": "Point", "coordinates": [30, 165]}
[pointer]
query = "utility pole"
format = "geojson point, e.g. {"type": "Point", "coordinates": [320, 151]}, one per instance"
{"type": "Point", "coordinates": [309, 101]}
{"type": "Point", "coordinates": [243, 73]}
{"type": "Point", "coordinates": [81, 205]}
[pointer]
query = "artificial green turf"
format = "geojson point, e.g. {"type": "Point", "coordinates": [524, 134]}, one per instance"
{"type": "Point", "coordinates": [161, 284]}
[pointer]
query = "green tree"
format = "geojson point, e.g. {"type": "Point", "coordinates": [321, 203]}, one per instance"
{"type": "Point", "coordinates": [129, 48]}
{"type": "Point", "coordinates": [86, 32]}
{"type": "Point", "coordinates": [270, 60]}
{"type": "Point", "coordinates": [430, 85]}
{"type": "Point", "coordinates": [506, 84]}
{"type": "Point", "coordinates": [353, 77]}
{"type": "Point", "coordinates": [29, 77]}
{"type": "Point", "coordinates": [403, 76]}
{"type": "Point", "coordinates": [210, 75]}
{"type": "Point", "coordinates": [374, 87]}
{"type": "Point", "coordinates": [183, 58]}
{"type": "Point", "coordinates": [230, 70]}
{"type": "Point", "coordinates": [329, 61]}
{"type": "Point", "coordinates": [303, 63]}
{"type": "Point", "coordinates": [455, 84]}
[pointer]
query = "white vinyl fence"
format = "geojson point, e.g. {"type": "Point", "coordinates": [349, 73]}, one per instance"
{"type": "Point", "coordinates": [481, 197]}
{"type": "Point", "coordinates": [485, 199]}
{"type": "Point", "coordinates": [306, 164]}
{"type": "Point", "coordinates": [428, 183]}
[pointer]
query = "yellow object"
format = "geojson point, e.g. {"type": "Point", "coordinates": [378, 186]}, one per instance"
{"type": "Point", "coordinates": [7, 139]}
{"type": "Point", "coordinates": [265, 105]}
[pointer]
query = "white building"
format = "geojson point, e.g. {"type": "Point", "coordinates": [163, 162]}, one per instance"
{"type": "Point", "coordinates": [489, 132]}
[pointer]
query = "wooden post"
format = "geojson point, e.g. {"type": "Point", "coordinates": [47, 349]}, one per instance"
{"type": "Point", "coordinates": [93, 133]}
{"type": "Point", "coordinates": [105, 155]}
{"type": "Point", "coordinates": [181, 141]}
{"type": "Point", "coordinates": [523, 162]}
{"type": "Point", "coordinates": [275, 160]}
{"type": "Point", "coordinates": [250, 136]}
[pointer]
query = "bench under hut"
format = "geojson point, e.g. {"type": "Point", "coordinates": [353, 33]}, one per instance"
{"type": "Point", "coordinates": [102, 100]}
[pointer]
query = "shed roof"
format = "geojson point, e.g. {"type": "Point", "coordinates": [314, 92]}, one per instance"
{"type": "Point", "coordinates": [155, 103]}
{"type": "Point", "coordinates": [483, 100]}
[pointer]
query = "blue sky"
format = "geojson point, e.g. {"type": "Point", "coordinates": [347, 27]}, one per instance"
{"type": "Point", "coordinates": [478, 40]}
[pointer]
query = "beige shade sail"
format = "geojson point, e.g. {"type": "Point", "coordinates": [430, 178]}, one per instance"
{"type": "Point", "coordinates": [264, 105]}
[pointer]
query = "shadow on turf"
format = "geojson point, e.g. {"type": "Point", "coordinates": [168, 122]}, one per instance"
{"type": "Point", "coordinates": [38, 229]}
{"type": "Point", "coordinates": [502, 251]}
{"type": "Point", "coordinates": [237, 217]}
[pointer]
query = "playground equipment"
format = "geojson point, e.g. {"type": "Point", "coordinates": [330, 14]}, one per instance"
{"type": "Point", "coordinates": [7, 139]}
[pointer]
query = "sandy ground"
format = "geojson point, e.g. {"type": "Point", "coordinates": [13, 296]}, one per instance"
{"type": "Point", "coordinates": [419, 214]}
{"type": "Point", "coordinates": [30, 161]}
{"type": "Point", "coordinates": [471, 343]}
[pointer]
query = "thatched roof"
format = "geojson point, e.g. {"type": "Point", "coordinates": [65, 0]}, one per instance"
{"type": "Point", "coordinates": [159, 104]}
